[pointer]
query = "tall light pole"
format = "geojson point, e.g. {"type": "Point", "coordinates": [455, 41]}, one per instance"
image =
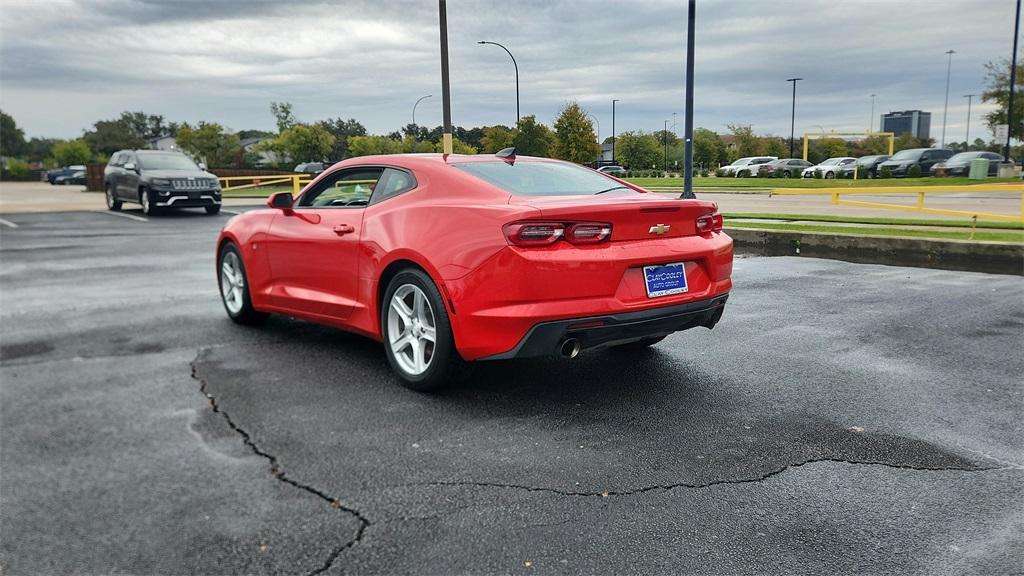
{"type": "Point", "coordinates": [792, 116]}
{"type": "Point", "coordinates": [1013, 83]}
{"type": "Point", "coordinates": [517, 73]}
{"type": "Point", "coordinates": [422, 98]}
{"type": "Point", "coordinates": [871, 121]}
{"type": "Point", "coordinates": [598, 122]}
{"type": "Point", "coordinates": [446, 104]}
{"type": "Point", "coordinates": [664, 138]}
{"type": "Point", "coordinates": [945, 107]}
{"type": "Point", "coordinates": [691, 18]}
{"type": "Point", "coordinates": [967, 137]}
{"type": "Point", "coordinates": [613, 130]}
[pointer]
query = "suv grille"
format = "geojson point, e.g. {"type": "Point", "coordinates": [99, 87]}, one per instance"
{"type": "Point", "coordinates": [192, 184]}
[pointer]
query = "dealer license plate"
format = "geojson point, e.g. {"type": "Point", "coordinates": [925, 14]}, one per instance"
{"type": "Point", "coordinates": [665, 279]}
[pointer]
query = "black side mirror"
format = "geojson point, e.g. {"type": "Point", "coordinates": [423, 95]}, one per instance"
{"type": "Point", "coordinates": [281, 200]}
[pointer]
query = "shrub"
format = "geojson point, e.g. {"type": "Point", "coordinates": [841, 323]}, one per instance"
{"type": "Point", "coordinates": [704, 173]}
{"type": "Point", "coordinates": [914, 172]}
{"type": "Point", "coordinates": [17, 169]}
{"type": "Point", "coordinates": [885, 172]}
{"type": "Point", "coordinates": [719, 172]}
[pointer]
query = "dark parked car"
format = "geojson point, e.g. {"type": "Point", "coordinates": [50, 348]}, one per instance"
{"type": "Point", "coordinates": [960, 164]}
{"type": "Point", "coordinates": [310, 168]}
{"type": "Point", "coordinates": [900, 163]}
{"type": "Point", "coordinates": [76, 177]}
{"type": "Point", "coordinates": [157, 179]}
{"type": "Point", "coordinates": [53, 175]}
{"type": "Point", "coordinates": [788, 167]}
{"type": "Point", "coordinates": [868, 166]}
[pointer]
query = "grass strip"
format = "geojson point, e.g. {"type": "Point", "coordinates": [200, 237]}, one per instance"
{"type": "Point", "coordinates": [870, 220]}
{"type": "Point", "coordinates": [981, 235]}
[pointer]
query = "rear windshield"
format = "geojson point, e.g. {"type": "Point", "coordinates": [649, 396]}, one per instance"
{"type": "Point", "coordinates": [166, 162]}
{"type": "Point", "coordinates": [541, 178]}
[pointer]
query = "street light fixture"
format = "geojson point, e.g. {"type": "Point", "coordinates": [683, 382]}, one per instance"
{"type": "Point", "coordinates": [792, 116]}
{"type": "Point", "coordinates": [871, 121]}
{"type": "Point", "coordinates": [945, 107]}
{"type": "Point", "coordinates": [422, 98]}
{"type": "Point", "coordinates": [967, 137]}
{"type": "Point", "coordinates": [517, 73]}
{"type": "Point", "coordinates": [598, 122]}
{"type": "Point", "coordinates": [613, 130]}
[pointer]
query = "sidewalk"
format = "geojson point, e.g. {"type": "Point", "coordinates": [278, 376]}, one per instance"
{"type": "Point", "coordinates": [20, 197]}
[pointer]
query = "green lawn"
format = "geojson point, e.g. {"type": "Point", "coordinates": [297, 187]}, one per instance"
{"type": "Point", "coordinates": [738, 217]}
{"type": "Point", "coordinates": [733, 183]}
{"type": "Point", "coordinates": [261, 192]}
{"type": "Point", "coordinates": [980, 235]}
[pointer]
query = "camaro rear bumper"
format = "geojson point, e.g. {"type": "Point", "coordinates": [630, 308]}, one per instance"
{"type": "Point", "coordinates": [546, 338]}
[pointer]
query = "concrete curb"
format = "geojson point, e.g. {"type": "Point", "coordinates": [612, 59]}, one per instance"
{"type": "Point", "coordinates": [991, 257]}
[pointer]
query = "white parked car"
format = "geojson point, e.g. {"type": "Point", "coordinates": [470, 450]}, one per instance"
{"type": "Point", "coordinates": [747, 166]}
{"type": "Point", "coordinates": [829, 168]}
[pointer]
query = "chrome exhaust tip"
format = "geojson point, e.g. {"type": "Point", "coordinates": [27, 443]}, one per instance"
{"type": "Point", "coordinates": [570, 348]}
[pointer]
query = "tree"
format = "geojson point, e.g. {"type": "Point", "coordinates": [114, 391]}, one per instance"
{"type": "Point", "coordinates": [283, 116]}
{"type": "Point", "coordinates": [373, 145]}
{"type": "Point", "coordinates": [145, 126]}
{"type": "Point", "coordinates": [72, 153]}
{"type": "Point", "coordinates": [497, 138]}
{"type": "Point", "coordinates": [747, 143]}
{"type": "Point", "coordinates": [458, 147]}
{"type": "Point", "coordinates": [997, 91]}
{"type": "Point", "coordinates": [532, 138]}
{"type": "Point", "coordinates": [209, 143]}
{"type": "Point", "coordinates": [109, 136]}
{"type": "Point", "coordinates": [575, 140]}
{"type": "Point", "coordinates": [342, 130]}
{"type": "Point", "coordinates": [40, 150]}
{"type": "Point", "coordinates": [306, 143]}
{"type": "Point", "coordinates": [12, 138]}
{"type": "Point", "coordinates": [638, 151]}
{"type": "Point", "coordinates": [707, 148]}
{"type": "Point", "coordinates": [774, 146]}
{"type": "Point", "coordinates": [833, 147]}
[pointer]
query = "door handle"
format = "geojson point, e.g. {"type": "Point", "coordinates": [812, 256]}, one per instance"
{"type": "Point", "coordinates": [343, 229]}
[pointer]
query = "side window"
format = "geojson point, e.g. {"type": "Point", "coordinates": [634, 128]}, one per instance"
{"type": "Point", "coordinates": [392, 183]}
{"type": "Point", "coordinates": [351, 188]}
{"type": "Point", "coordinates": [117, 159]}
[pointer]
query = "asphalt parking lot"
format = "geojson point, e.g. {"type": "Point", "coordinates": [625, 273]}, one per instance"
{"type": "Point", "coordinates": [841, 419]}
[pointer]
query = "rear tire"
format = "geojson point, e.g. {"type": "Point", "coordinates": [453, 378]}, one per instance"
{"type": "Point", "coordinates": [234, 287]}
{"type": "Point", "coordinates": [639, 344]}
{"type": "Point", "coordinates": [412, 312]}
{"type": "Point", "coordinates": [215, 209]}
{"type": "Point", "coordinates": [146, 200]}
{"type": "Point", "coordinates": [113, 204]}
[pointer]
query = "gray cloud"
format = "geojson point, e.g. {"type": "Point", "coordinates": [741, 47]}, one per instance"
{"type": "Point", "coordinates": [66, 63]}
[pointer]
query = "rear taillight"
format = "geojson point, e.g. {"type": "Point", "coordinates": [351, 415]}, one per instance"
{"type": "Point", "coordinates": [709, 223]}
{"type": "Point", "coordinates": [547, 233]}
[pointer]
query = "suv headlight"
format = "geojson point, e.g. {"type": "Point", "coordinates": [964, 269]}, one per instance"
{"type": "Point", "coordinates": [161, 181]}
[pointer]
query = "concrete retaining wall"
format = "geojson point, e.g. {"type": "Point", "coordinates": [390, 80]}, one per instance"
{"type": "Point", "coordinates": [993, 257]}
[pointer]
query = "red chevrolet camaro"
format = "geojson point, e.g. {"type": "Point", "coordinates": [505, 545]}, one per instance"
{"type": "Point", "coordinates": [466, 258]}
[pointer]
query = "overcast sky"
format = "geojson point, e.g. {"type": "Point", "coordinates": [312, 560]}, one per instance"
{"type": "Point", "coordinates": [67, 63]}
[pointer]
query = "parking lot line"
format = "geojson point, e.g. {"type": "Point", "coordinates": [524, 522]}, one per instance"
{"type": "Point", "coordinates": [230, 212]}
{"type": "Point", "coordinates": [122, 215]}
{"type": "Point", "coordinates": [8, 223]}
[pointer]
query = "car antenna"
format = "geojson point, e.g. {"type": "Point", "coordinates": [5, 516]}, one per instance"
{"type": "Point", "coordinates": [507, 154]}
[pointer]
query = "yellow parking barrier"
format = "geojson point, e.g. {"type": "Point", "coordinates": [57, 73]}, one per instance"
{"type": "Point", "coordinates": [837, 193]}
{"type": "Point", "coordinates": [296, 181]}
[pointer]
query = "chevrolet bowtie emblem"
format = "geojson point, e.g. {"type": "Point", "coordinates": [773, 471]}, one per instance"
{"type": "Point", "coordinates": [659, 229]}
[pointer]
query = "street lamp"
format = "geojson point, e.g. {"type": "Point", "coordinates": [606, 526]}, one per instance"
{"type": "Point", "coordinates": [945, 107]}
{"type": "Point", "coordinates": [871, 121]}
{"type": "Point", "coordinates": [967, 137]}
{"type": "Point", "coordinates": [792, 116]}
{"type": "Point", "coordinates": [1013, 82]}
{"type": "Point", "coordinates": [664, 138]}
{"type": "Point", "coordinates": [517, 73]}
{"type": "Point", "coordinates": [598, 122]}
{"type": "Point", "coordinates": [422, 98]}
{"type": "Point", "coordinates": [613, 130]}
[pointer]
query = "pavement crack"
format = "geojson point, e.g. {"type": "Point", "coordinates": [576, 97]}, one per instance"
{"type": "Point", "coordinates": [278, 472]}
{"type": "Point", "coordinates": [698, 486]}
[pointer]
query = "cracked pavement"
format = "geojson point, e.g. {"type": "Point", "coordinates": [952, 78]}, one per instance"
{"type": "Point", "coordinates": [842, 419]}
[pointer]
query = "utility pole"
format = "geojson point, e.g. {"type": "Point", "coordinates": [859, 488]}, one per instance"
{"type": "Point", "coordinates": [445, 92]}
{"type": "Point", "coordinates": [967, 137]}
{"type": "Point", "coordinates": [945, 107]}
{"type": "Point", "coordinates": [792, 116]}
{"type": "Point", "coordinates": [871, 121]}
{"type": "Point", "coordinates": [613, 130]}
{"type": "Point", "coordinates": [1013, 82]}
{"type": "Point", "coordinates": [664, 139]}
{"type": "Point", "coordinates": [688, 154]}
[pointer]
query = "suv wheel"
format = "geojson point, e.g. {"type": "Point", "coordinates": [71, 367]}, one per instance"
{"type": "Point", "coordinates": [417, 333]}
{"type": "Point", "coordinates": [112, 203]}
{"type": "Point", "coordinates": [213, 209]}
{"type": "Point", "coordinates": [145, 198]}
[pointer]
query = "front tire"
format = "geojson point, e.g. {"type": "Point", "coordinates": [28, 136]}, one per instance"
{"type": "Point", "coordinates": [215, 209]}
{"type": "Point", "coordinates": [113, 204]}
{"type": "Point", "coordinates": [146, 200]}
{"type": "Point", "coordinates": [830, 175]}
{"type": "Point", "coordinates": [417, 333]}
{"type": "Point", "coordinates": [234, 287]}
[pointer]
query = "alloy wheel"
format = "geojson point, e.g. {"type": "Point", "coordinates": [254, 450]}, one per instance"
{"type": "Point", "coordinates": [144, 200]}
{"type": "Point", "coordinates": [232, 282]}
{"type": "Point", "coordinates": [411, 329]}
{"type": "Point", "coordinates": [110, 198]}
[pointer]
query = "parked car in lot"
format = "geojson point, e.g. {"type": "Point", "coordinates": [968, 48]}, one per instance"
{"type": "Point", "coordinates": [479, 257]}
{"type": "Point", "coordinates": [618, 171]}
{"type": "Point", "coordinates": [960, 164]}
{"type": "Point", "coordinates": [158, 179]}
{"type": "Point", "coordinates": [747, 166]}
{"type": "Point", "coordinates": [900, 163]}
{"type": "Point", "coordinates": [76, 178]}
{"type": "Point", "coordinates": [829, 168]}
{"type": "Point", "coordinates": [787, 167]}
{"type": "Point", "coordinates": [310, 168]}
{"type": "Point", "coordinates": [53, 175]}
{"type": "Point", "coordinates": [868, 166]}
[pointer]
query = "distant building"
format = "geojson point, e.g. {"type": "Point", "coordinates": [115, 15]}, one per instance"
{"type": "Point", "coordinates": [167, 142]}
{"type": "Point", "coordinates": [263, 157]}
{"type": "Point", "coordinates": [914, 122]}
